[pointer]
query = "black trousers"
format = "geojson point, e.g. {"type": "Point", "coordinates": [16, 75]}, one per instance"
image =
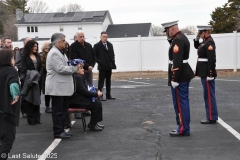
{"type": "Point", "coordinates": [105, 74]}
{"type": "Point", "coordinates": [47, 100]}
{"type": "Point", "coordinates": [7, 137]}
{"type": "Point", "coordinates": [95, 108]}
{"type": "Point", "coordinates": [23, 106]}
{"type": "Point", "coordinates": [33, 113]}
{"type": "Point", "coordinates": [59, 112]}
{"type": "Point", "coordinates": [23, 102]}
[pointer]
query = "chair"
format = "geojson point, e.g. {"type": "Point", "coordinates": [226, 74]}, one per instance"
{"type": "Point", "coordinates": [79, 110]}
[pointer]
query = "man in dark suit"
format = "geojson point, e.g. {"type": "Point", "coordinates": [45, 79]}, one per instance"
{"type": "Point", "coordinates": [105, 58]}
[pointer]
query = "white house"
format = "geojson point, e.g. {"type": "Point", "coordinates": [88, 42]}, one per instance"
{"type": "Point", "coordinates": [43, 25]}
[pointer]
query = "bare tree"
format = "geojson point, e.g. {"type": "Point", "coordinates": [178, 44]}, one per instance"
{"type": "Point", "coordinates": [37, 6]}
{"type": "Point", "coordinates": [9, 29]}
{"type": "Point", "coordinates": [190, 30]}
{"type": "Point", "coordinates": [158, 30]}
{"type": "Point", "coordinates": [70, 8]}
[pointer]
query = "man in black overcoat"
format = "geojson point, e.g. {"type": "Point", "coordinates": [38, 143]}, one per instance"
{"type": "Point", "coordinates": [105, 58]}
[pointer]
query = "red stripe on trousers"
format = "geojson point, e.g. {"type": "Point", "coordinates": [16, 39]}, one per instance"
{"type": "Point", "coordinates": [180, 111]}
{"type": "Point", "coordinates": [209, 100]}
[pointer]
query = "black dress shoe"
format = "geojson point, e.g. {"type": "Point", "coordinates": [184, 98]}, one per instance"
{"type": "Point", "coordinates": [94, 127]}
{"type": "Point", "coordinates": [38, 122]}
{"type": "Point", "coordinates": [48, 110]}
{"type": "Point", "coordinates": [102, 99]}
{"type": "Point", "coordinates": [68, 133]}
{"type": "Point", "coordinates": [24, 115]}
{"type": "Point", "coordinates": [110, 97]}
{"type": "Point", "coordinates": [176, 134]}
{"type": "Point", "coordinates": [31, 123]}
{"type": "Point", "coordinates": [63, 135]}
{"type": "Point", "coordinates": [205, 121]}
{"type": "Point", "coordinates": [100, 125]}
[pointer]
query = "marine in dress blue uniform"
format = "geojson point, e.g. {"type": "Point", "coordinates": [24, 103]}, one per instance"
{"type": "Point", "coordinates": [179, 76]}
{"type": "Point", "coordinates": [206, 69]}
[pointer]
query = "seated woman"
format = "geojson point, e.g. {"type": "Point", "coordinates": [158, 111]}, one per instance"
{"type": "Point", "coordinates": [82, 98]}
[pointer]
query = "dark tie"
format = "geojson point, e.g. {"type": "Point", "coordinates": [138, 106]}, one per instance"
{"type": "Point", "coordinates": [105, 44]}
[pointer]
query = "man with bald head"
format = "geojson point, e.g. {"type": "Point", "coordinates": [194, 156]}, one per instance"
{"type": "Point", "coordinates": [18, 63]}
{"type": "Point", "coordinates": [80, 49]}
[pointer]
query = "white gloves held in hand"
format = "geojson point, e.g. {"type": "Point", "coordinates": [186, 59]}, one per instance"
{"type": "Point", "coordinates": [210, 78]}
{"type": "Point", "coordinates": [174, 84]}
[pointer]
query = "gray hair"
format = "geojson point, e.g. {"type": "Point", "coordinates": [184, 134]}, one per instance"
{"type": "Point", "coordinates": [78, 32]}
{"type": "Point", "coordinates": [56, 37]}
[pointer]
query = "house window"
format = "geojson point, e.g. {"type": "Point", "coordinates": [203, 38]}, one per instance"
{"type": "Point", "coordinates": [79, 27]}
{"type": "Point", "coordinates": [28, 29]}
{"type": "Point", "coordinates": [61, 28]}
{"type": "Point", "coordinates": [32, 29]}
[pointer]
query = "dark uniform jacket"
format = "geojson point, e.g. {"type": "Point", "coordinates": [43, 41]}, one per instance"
{"type": "Point", "coordinates": [82, 96]}
{"type": "Point", "coordinates": [78, 51]}
{"type": "Point", "coordinates": [104, 57]}
{"type": "Point", "coordinates": [179, 51]}
{"type": "Point", "coordinates": [206, 50]}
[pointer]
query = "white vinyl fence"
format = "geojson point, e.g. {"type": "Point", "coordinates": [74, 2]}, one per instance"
{"type": "Point", "coordinates": [151, 53]}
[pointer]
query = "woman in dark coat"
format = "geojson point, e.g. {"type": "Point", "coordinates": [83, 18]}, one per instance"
{"type": "Point", "coordinates": [10, 106]}
{"type": "Point", "coordinates": [32, 61]}
{"type": "Point", "coordinates": [82, 98]}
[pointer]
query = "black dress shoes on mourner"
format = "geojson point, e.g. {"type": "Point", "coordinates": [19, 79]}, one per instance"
{"type": "Point", "coordinates": [176, 134]}
{"type": "Point", "coordinates": [48, 110]}
{"type": "Point", "coordinates": [110, 97]}
{"type": "Point", "coordinates": [95, 127]}
{"type": "Point", "coordinates": [63, 135]}
{"type": "Point", "coordinates": [31, 123]}
{"type": "Point", "coordinates": [100, 125]}
{"type": "Point", "coordinates": [24, 115]}
{"type": "Point", "coordinates": [205, 121]}
{"type": "Point", "coordinates": [70, 134]}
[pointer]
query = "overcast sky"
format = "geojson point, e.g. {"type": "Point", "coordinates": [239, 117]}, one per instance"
{"type": "Point", "coordinates": [188, 12]}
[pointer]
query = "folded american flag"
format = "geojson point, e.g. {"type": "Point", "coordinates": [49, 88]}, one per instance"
{"type": "Point", "coordinates": [91, 88]}
{"type": "Point", "coordinates": [75, 62]}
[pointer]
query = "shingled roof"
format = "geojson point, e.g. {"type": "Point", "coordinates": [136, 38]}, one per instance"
{"type": "Point", "coordinates": [69, 17]}
{"type": "Point", "coordinates": [129, 30]}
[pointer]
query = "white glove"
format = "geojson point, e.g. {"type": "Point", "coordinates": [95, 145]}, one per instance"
{"type": "Point", "coordinates": [210, 78]}
{"type": "Point", "coordinates": [197, 38]}
{"type": "Point", "coordinates": [174, 84]}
